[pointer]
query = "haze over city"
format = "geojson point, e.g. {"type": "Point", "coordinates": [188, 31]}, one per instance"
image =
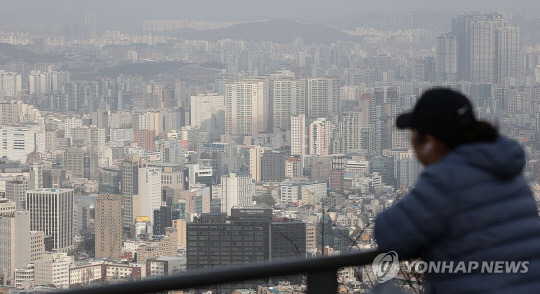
{"type": "Point", "coordinates": [144, 139]}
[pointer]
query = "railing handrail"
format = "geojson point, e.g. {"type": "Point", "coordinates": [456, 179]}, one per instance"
{"type": "Point", "coordinates": [201, 278]}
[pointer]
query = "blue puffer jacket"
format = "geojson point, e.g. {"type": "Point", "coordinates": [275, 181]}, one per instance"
{"type": "Point", "coordinates": [473, 205]}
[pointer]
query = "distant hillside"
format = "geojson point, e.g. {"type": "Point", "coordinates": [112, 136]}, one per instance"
{"type": "Point", "coordinates": [10, 52]}
{"type": "Point", "coordinates": [280, 31]}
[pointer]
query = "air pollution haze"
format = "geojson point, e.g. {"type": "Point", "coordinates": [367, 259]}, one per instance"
{"type": "Point", "coordinates": [128, 14]}
{"type": "Point", "coordinates": [145, 139]}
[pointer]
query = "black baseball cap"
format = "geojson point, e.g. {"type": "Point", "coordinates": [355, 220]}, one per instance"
{"type": "Point", "coordinates": [441, 112]}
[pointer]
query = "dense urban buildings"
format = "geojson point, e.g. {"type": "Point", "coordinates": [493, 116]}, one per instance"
{"type": "Point", "coordinates": [129, 154]}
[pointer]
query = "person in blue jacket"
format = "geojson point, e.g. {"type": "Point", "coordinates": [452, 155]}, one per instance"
{"type": "Point", "coordinates": [470, 204]}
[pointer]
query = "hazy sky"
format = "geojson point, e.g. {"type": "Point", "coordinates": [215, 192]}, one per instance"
{"type": "Point", "coordinates": [129, 13]}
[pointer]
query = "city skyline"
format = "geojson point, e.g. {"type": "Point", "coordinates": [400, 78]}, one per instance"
{"type": "Point", "coordinates": [137, 142]}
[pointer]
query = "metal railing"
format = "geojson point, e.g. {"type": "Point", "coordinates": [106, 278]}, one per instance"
{"type": "Point", "coordinates": [321, 275]}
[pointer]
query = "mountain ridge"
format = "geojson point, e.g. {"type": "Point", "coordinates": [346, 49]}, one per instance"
{"type": "Point", "coordinates": [276, 30]}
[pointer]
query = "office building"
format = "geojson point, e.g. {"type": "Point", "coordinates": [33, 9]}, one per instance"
{"type": "Point", "coordinates": [273, 166]}
{"type": "Point", "coordinates": [51, 211]}
{"type": "Point", "coordinates": [37, 246]}
{"type": "Point", "coordinates": [252, 156]}
{"type": "Point", "coordinates": [53, 271]}
{"type": "Point", "coordinates": [110, 179]}
{"type": "Point", "coordinates": [249, 236]}
{"type": "Point", "coordinates": [130, 188]}
{"type": "Point", "coordinates": [237, 190]}
{"type": "Point", "coordinates": [16, 192]}
{"type": "Point", "coordinates": [108, 226]}
{"type": "Point", "coordinates": [196, 200]}
{"type": "Point", "coordinates": [18, 141]}
{"type": "Point", "coordinates": [162, 219]}
{"type": "Point", "coordinates": [145, 139]}
{"type": "Point", "coordinates": [15, 243]}
{"type": "Point", "coordinates": [304, 192]}
{"type": "Point", "coordinates": [293, 167]}
{"type": "Point", "coordinates": [148, 198]}
{"type": "Point", "coordinates": [164, 266]}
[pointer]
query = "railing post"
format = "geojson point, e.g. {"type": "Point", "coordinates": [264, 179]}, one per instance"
{"type": "Point", "coordinates": [323, 281]}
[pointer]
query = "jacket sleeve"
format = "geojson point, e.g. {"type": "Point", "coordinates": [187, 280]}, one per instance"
{"type": "Point", "coordinates": [418, 220]}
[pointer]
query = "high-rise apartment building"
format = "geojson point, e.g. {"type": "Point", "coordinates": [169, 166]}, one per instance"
{"type": "Point", "coordinates": [487, 49]}
{"type": "Point", "coordinates": [208, 114]}
{"type": "Point", "coordinates": [51, 211]}
{"type": "Point", "coordinates": [289, 98]}
{"type": "Point", "coordinates": [324, 97]}
{"type": "Point", "coordinates": [320, 135]}
{"type": "Point", "coordinates": [10, 84]}
{"type": "Point", "coordinates": [108, 226]}
{"type": "Point", "coordinates": [348, 137]}
{"type": "Point", "coordinates": [508, 58]}
{"type": "Point", "coordinates": [446, 58]}
{"type": "Point", "coordinates": [247, 108]}
{"type": "Point", "coordinates": [298, 135]}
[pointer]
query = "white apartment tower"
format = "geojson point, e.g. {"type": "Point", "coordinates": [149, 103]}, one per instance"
{"type": "Point", "coordinates": [51, 211]}
{"type": "Point", "coordinates": [10, 84]}
{"type": "Point", "coordinates": [208, 114]}
{"type": "Point", "coordinates": [288, 98]}
{"type": "Point", "coordinates": [298, 135]}
{"type": "Point", "coordinates": [320, 134]}
{"type": "Point", "coordinates": [324, 97]}
{"type": "Point", "coordinates": [247, 107]}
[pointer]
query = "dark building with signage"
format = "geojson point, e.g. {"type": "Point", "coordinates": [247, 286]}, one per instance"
{"type": "Point", "coordinates": [250, 235]}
